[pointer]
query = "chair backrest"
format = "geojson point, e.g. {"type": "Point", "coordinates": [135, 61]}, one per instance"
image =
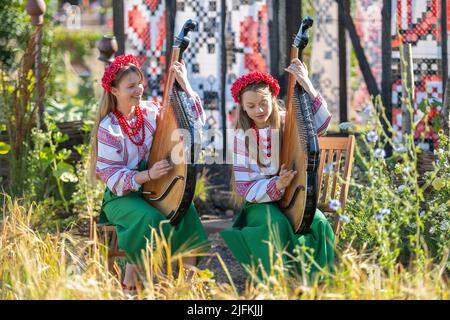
{"type": "Point", "coordinates": [336, 154]}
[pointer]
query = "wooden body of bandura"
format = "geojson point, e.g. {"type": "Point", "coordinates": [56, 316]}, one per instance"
{"type": "Point", "coordinates": [172, 194]}
{"type": "Point", "coordinates": [300, 147]}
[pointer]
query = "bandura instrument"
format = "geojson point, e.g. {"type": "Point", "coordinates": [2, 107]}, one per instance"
{"type": "Point", "coordinates": [173, 193]}
{"type": "Point", "coordinates": [300, 147]}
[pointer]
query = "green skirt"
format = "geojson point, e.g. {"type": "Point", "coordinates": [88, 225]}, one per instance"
{"type": "Point", "coordinates": [134, 218]}
{"type": "Point", "coordinates": [259, 224]}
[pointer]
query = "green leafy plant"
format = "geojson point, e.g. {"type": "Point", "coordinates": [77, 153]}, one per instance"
{"type": "Point", "coordinates": [86, 199]}
{"type": "Point", "coordinates": [20, 98]}
{"type": "Point", "coordinates": [4, 148]}
{"type": "Point", "coordinates": [389, 210]}
{"type": "Point", "coordinates": [48, 166]}
{"type": "Point", "coordinates": [14, 31]}
{"type": "Point", "coordinates": [71, 93]}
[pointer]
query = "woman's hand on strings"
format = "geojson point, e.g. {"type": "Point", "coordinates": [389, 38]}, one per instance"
{"type": "Point", "coordinates": [179, 69]}
{"type": "Point", "coordinates": [299, 70]}
{"type": "Point", "coordinates": [285, 177]}
{"type": "Point", "coordinates": [159, 169]}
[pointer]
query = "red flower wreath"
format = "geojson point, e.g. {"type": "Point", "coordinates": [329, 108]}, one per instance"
{"type": "Point", "coordinates": [253, 77]}
{"type": "Point", "coordinates": [118, 63]}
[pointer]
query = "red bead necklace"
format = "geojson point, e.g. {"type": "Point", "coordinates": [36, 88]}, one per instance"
{"type": "Point", "coordinates": [269, 144]}
{"type": "Point", "coordinates": [132, 130]}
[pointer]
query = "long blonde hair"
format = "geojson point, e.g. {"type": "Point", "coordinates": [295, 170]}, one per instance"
{"type": "Point", "coordinates": [108, 103]}
{"type": "Point", "coordinates": [244, 122]}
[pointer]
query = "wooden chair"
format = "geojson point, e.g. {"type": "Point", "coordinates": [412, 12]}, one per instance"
{"type": "Point", "coordinates": [106, 234]}
{"type": "Point", "coordinates": [337, 151]}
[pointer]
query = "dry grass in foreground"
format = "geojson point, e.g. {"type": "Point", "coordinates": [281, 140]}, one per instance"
{"type": "Point", "coordinates": [62, 266]}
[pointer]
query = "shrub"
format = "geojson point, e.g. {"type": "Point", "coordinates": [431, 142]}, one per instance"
{"type": "Point", "coordinates": [390, 212]}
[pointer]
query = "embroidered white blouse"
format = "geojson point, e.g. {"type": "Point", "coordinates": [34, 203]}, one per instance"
{"type": "Point", "coordinates": [118, 157]}
{"type": "Point", "coordinates": [256, 183]}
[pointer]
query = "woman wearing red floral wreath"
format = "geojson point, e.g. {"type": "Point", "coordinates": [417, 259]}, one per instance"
{"type": "Point", "coordinates": [260, 180]}
{"type": "Point", "coordinates": [121, 141]}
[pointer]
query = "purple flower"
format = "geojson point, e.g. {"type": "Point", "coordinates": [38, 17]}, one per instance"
{"type": "Point", "coordinates": [380, 153]}
{"type": "Point", "coordinates": [422, 213]}
{"type": "Point", "coordinates": [328, 168]}
{"type": "Point", "coordinates": [399, 148]}
{"type": "Point", "coordinates": [334, 204]}
{"type": "Point", "coordinates": [383, 212]}
{"type": "Point", "coordinates": [372, 136]}
{"type": "Point", "coordinates": [344, 218]}
{"type": "Point", "coordinates": [367, 109]}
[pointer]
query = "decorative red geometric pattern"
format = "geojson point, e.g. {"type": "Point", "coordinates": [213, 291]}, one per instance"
{"type": "Point", "coordinates": [419, 22]}
{"type": "Point", "coordinates": [153, 4]}
{"type": "Point", "coordinates": [145, 33]}
{"type": "Point", "coordinates": [253, 34]}
{"type": "Point", "coordinates": [139, 24]}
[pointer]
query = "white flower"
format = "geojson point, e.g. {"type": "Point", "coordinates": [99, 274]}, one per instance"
{"type": "Point", "coordinates": [68, 177]}
{"type": "Point", "coordinates": [432, 229]}
{"type": "Point", "coordinates": [344, 218]}
{"type": "Point", "coordinates": [424, 146]}
{"type": "Point", "coordinates": [401, 187]}
{"type": "Point", "coordinates": [444, 225]}
{"type": "Point", "coordinates": [334, 204]}
{"type": "Point", "coordinates": [379, 153]}
{"type": "Point", "coordinates": [372, 136]}
{"type": "Point", "coordinates": [422, 213]}
{"type": "Point", "coordinates": [406, 169]}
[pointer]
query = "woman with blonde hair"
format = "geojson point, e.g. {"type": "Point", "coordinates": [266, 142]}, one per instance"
{"type": "Point", "coordinates": [260, 181]}
{"type": "Point", "coordinates": [121, 142]}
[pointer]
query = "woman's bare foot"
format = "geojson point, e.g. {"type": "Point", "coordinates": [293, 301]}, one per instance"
{"type": "Point", "coordinates": [130, 280]}
{"type": "Point", "coordinates": [129, 291]}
